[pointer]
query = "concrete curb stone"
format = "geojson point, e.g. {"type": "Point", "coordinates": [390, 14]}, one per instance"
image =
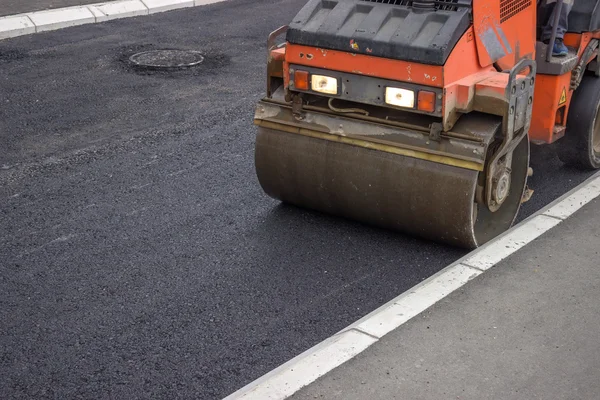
{"type": "Point", "coordinates": [16, 25]}
{"type": "Point", "coordinates": [61, 18]}
{"type": "Point", "coordinates": [156, 6]}
{"type": "Point", "coordinates": [41, 21]}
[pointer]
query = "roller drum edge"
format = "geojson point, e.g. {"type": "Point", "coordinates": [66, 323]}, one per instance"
{"type": "Point", "coordinates": [413, 196]}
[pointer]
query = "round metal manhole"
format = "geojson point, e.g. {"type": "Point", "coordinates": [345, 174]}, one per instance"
{"type": "Point", "coordinates": [167, 59]}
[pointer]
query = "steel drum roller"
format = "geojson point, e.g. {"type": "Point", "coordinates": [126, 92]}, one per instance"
{"type": "Point", "coordinates": [414, 196]}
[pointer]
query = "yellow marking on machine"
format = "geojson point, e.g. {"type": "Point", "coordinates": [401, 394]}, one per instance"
{"type": "Point", "coordinates": [563, 97]}
{"type": "Point", "coordinates": [440, 159]}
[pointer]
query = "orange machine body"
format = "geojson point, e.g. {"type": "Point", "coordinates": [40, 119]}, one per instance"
{"type": "Point", "coordinates": [473, 77]}
{"type": "Point", "coordinates": [553, 95]}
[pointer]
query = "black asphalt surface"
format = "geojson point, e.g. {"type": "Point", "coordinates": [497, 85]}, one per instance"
{"type": "Point", "coordinates": [139, 256]}
{"type": "Point", "coordinates": [11, 7]}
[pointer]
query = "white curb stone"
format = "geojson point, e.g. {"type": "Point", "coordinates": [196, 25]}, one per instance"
{"type": "Point", "coordinates": [16, 25]}
{"type": "Point", "coordinates": [155, 6]}
{"type": "Point", "coordinates": [100, 16]}
{"type": "Point", "coordinates": [570, 205]}
{"type": "Point", "coordinates": [41, 21]}
{"type": "Point", "coordinates": [206, 2]}
{"type": "Point", "coordinates": [62, 18]}
{"type": "Point", "coordinates": [121, 9]}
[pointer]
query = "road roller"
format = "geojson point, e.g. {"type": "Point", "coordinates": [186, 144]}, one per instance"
{"type": "Point", "coordinates": [419, 116]}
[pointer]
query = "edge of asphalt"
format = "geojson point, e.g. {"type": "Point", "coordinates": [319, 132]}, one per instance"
{"type": "Point", "coordinates": [48, 20]}
{"type": "Point", "coordinates": [304, 369]}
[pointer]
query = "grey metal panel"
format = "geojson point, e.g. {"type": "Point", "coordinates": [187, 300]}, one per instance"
{"type": "Point", "coordinates": [585, 16]}
{"type": "Point", "coordinates": [557, 65]}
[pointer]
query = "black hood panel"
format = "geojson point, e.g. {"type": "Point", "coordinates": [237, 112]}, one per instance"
{"type": "Point", "coordinates": [385, 28]}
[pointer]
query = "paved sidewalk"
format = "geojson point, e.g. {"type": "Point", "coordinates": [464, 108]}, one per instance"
{"type": "Point", "coordinates": [529, 328]}
{"type": "Point", "coordinates": [11, 7]}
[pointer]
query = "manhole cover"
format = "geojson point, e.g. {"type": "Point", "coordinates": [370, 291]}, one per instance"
{"type": "Point", "coordinates": [167, 59]}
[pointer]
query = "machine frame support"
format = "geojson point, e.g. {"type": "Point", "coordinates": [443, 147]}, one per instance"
{"type": "Point", "coordinates": [517, 119]}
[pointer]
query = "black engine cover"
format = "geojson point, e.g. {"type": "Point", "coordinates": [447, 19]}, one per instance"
{"type": "Point", "coordinates": [388, 28]}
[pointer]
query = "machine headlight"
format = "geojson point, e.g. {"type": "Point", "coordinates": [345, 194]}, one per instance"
{"type": "Point", "coordinates": [400, 97]}
{"type": "Point", "coordinates": [324, 84]}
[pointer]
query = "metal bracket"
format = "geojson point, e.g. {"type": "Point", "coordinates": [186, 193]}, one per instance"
{"type": "Point", "coordinates": [273, 66]}
{"type": "Point", "coordinates": [273, 37]}
{"type": "Point", "coordinates": [435, 131]}
{"type": "Point", "coordinates": [579, 70]}
{"type": "Point", "coordinates": [297, 106]}
{"type": "Point", "coordinates": [517, 118]}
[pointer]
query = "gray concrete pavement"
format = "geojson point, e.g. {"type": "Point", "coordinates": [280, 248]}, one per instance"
{"type": "Point", "coordinates": [527, 329]}
{"type": "Point", "coordinates": [11, 7]}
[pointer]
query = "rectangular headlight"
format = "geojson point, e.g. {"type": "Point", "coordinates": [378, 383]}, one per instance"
{"type": "Point", "coordinates": [400, 97]}
{"type": "Point", "coordinates": [324, 84]}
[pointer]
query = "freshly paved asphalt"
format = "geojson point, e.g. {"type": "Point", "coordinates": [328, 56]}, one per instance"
{"type": "Point", "coordinates": [139, 257]}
